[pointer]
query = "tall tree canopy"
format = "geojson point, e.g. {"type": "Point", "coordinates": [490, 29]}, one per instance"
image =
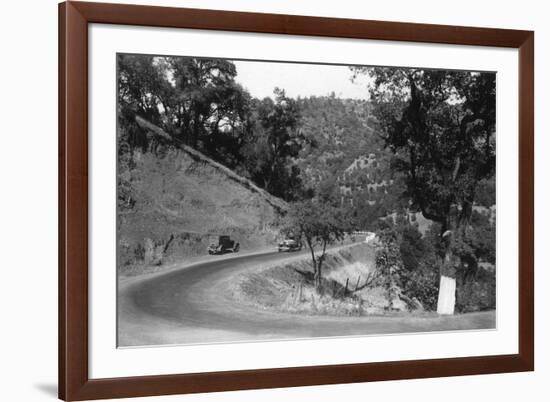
{"type": "Point", "coordinates": [196, 100]}
{"type": "Point", "coordinates": [275, 139]}
{"type": "Point", "coordinates": [207, 101]}
{"type": "Point", "coordinates": [199, 103]}
{"type": "Point", "coordinates": [441, 127]}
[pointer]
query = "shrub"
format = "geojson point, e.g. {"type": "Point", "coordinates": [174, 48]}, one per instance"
{"type": "Point", "coordinates": [411, 263]}
{"type": "Point", "coordinates": [486, 192]}
{"type": "Point", "coordinates": [476, 293]}
{"type": "Point", "coordinates": [422, 284]}
{"type": "Point", "coordinates": [408, 265]}
{"type": "Point", "coordinates": [389, 264]}
{"type": "Point", "coordinates": [153, 253]}
{"type": "Point", "coordinates": [139, 252]}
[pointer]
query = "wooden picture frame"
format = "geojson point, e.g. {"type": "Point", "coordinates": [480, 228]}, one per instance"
{"type": "Point", "coordinates": [74, 381]}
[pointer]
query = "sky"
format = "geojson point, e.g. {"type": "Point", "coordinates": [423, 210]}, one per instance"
{"type": "Point", "coordinates": [260, 78]}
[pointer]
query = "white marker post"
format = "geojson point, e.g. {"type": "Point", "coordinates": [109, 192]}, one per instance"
{"type": "Point", "coordinates": [446, 298]}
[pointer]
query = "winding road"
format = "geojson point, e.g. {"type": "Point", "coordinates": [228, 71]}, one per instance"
{"type": "Point", "coordinates": [194, 304]}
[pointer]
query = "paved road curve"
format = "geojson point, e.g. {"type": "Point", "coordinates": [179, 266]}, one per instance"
{"type": "Point", "coordinates": [194, 305]}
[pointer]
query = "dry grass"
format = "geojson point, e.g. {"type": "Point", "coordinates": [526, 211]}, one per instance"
{"type": "Point", "coordinates": [182, 197]}
{"type": "Point", "coordinates": [283, 288]}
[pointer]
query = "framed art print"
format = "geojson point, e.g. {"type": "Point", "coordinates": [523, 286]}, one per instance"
{"type": "Point", "coordinates": [259, 200]}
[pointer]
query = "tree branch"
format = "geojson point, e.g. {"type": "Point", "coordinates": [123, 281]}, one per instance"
{"type": "Point", "coordinates": [371, 278]}
{"type": "Point", "coordinates": [456, 168]}
{"type": "Point", "coordinates": [154, 129]}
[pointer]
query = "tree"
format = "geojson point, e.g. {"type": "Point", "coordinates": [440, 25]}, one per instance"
{"type": "Point", "coordinates": [196, 101]}
{"type": "Point", "coordinates": [207, 101]}
{"type": "Point", "coordinates": [320, 224]}
{"type": "Point", "coordinates": [142, 86]}
{"type": "Point", "coordinates": [440, 126]}
{"type": "Point", "coordinates": [389, 264]}
{"type": "Point", "coordinates": [275, 140]}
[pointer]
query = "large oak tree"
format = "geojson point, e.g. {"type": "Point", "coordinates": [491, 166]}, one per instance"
{"type": "Point", "coordinates": [197, 101]}
{"type": "Point", "coordinates": [440, 126]}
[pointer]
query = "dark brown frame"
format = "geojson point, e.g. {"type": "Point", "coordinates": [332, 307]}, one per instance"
{"type": "Point", "coordinates": [74, 383]}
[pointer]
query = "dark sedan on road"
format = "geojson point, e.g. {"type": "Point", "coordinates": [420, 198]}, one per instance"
{"type": "Point", "coordinates": [222, 245]}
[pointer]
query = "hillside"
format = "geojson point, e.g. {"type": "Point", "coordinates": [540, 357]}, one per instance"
{"type": "Point", "coordinates": [338, 132]}
{"type": "Point", "coordinates": [343, 145]}
{"type": "Point", "coordinates": [174, 200]}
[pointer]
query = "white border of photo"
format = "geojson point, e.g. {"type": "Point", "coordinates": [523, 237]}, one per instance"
{"type": "Point", "coordinates": [106, 360]}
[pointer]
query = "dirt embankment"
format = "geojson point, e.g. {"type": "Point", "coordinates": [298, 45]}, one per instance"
{"type": "Point", "coordinates": [178, 200]}
{"type": "Point", "coordinates": [287, 287]}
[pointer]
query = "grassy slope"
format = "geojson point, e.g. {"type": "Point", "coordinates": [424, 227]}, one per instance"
{"type": "Point", "coordinates": [187, 196]}
{"type": "Point", "coordinates": [281, 288]}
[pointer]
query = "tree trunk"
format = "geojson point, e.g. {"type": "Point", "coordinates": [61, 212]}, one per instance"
{"type": "Point", "coordinates": [317, 278]}
{"type": "Point", "coordinates": [447, 285]}
{"type": "Point", "coordinates": [319, 270]}
{"type": "Point", "coordinates": [314, 263]}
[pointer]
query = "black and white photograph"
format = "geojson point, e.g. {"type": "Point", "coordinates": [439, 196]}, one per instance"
{"type": "Point", "coordinates": [278, 200]}
{"type": "Point", "coordinates": [274, 200]}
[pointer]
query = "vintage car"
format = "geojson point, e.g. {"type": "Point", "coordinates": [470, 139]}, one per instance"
{"type": "Point", "coordinates": [222, 244]}
{"type": "Point", "coordinates": [370, 237]}
{"type": "Point", "coordinates": [289, 244]}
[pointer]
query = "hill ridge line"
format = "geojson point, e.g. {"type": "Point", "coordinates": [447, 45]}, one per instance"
{"type": "Point", "coordinates": [277, 203]}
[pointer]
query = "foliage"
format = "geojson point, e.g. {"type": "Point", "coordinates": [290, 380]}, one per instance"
{"type": "Point", "coordinates": [366, 214]}
{"type": "Point", "coordinates": [477, 292]}
{"type": "Point", "coordinates": [422, 284]}
{"type": "Point", "coordinates": [336, 132]}
{"type": "Point", "coordinates": [420, 279]}
{"type": "Point", "coordinates": [421, 258]}
{"type": "Point", "coordinates": [320, 224]}
{"type": "Point", "coordinates": [196, 100]}
{"type": "Point", "coordinates": [441, 127]}
{"type": "Point", "coordinates": [273, 141]}
{"type": "Point", "coordinates": [483, 233]}
{"type": "Point", "coordinates": [414, 276]}
{"type": "Point", "coordinates": [340, 141]}
{"type": "Point", "coordinates": [126, 198]}
{"type": "Point", "coordinates": [486, 192]}
{"type": "Point", "coordinates": [199, 103]}
{"type": "Point", "coordinates": [389, 263]}
{"type": "Point", "coordinates": [476, 243]}
{"type": "Point", "coordinates": [412, 247]}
